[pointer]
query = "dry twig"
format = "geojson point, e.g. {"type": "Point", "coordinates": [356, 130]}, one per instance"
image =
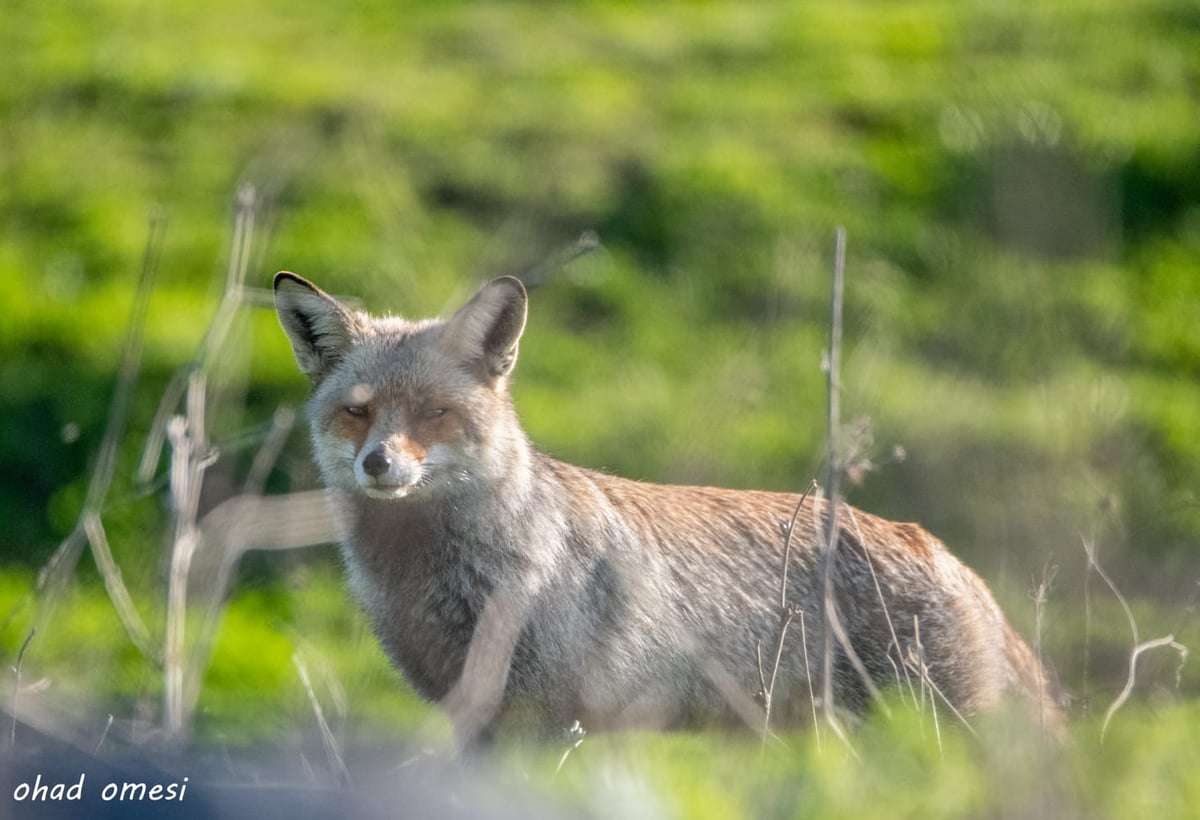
{"type": "Point", "coordinates": [89, 529]}
{"type": "Point", "coordinates": [12, 736]}
{"type": "Point", "coordinates": [337, 763]}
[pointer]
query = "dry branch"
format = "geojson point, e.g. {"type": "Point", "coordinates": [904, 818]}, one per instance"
{"type": "Point", "coordinates": [12, 736]}
{"type": "Point", "coordinates": [89, 529]}
{"type": "Point", "coordinates": [1166, 640]}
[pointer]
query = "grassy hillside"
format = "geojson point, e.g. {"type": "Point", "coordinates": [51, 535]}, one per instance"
{"type": "Point", "coordinates": [1020, 184]}
{"type": "Point", "coordinates": [1019, 187]}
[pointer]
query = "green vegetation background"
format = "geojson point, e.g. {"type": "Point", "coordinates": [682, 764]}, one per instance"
{"type": "Point", "coordinates": [1020, 183]}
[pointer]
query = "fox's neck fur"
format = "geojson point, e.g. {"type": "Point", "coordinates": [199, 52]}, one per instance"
{"type": "Point", "coordinates": [501, 580]}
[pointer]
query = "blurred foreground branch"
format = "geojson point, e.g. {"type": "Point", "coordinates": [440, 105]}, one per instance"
{"type": "Point", "coordinates": [203, 549]}
{"type": "Point", "coordinates": [89, 529]}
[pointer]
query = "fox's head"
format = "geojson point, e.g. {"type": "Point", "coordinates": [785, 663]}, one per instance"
{"type": "Point", "coordinates": [402, 407]}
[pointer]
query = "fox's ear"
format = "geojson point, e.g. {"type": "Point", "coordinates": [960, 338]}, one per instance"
{"type": "Point", "coordinates": [485, 331]}
{"type": "Point", "coordinates": [320, 328]}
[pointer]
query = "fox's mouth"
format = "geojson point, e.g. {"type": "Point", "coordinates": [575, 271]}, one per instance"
{"type": "Point", "coordinates": [388, 492]}
{"type": "Point", "coordinates": [391, 487]}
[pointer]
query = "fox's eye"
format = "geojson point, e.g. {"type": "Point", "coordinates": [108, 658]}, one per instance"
{"type": "Point", "coordinates": [435, 412]}
{"type": "Point", "coordinates": [357, 410]}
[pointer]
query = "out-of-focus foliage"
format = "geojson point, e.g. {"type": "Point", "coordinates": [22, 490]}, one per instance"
{"type": "Point", "coordinates": [1019, 183]}
{"type": "Point", "coordinates": [902, 766]}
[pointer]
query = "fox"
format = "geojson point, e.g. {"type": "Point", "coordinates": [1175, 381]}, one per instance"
{"type": "Point", "coordinates": [515, 589]}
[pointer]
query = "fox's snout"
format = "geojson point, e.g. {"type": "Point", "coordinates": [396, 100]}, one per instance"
{"type": "Point", "coordinates": [376, 463]}
{"type": "Point", "coordinates": [388, 469]}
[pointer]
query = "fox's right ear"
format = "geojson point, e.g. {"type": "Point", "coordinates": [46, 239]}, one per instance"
{"type": "Point", "coordinates": [320, 328]}
{"type": "Point", "coordinates": [485, 331]}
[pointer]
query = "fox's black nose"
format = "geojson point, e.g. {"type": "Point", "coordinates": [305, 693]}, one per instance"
{"type": "Point", "coordinates": [376, 463]}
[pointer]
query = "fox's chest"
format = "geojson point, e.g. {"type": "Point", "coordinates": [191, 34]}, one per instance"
{"type": "Point", "coordinates": [423, 596]}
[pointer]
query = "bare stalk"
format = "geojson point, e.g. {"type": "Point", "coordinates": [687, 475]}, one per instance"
{"type": "Point", "coordinates": [812, 698]}
{"type": "Point", "coordinates": [191, 456]}
{"type": "Point", "coordinates": [862, 542]}
{"type": "Point", "coordinates": [1089, 548]}
{"type": "Point", "coordinates": [93, 527]}
{"type": "Point", "coordinates": [1041, 595]}
{"type": "Point", "coordinates": [156, 439]}
{"type": "Point", "coordinates": [788, 529]}
{"type": "Point", "coordinates": [763, 689]}
{"type": "Point", "coordinates": [1166, 640]}
{"type": "Point", "coordinates": [219, 543]}
{"type": "Point", "coordinates": [268, 454]}
{"type": "Point", "coordinates": [12, 735]}
{"type": "Point", "coordinates": [1087, 635]}
{"type": "Point", "coordinates": [573, 737]}
{"type": "Point", "coordinates": [88, 529]}
{"type": "Point", "coordinates": [916, 660]}
{"type": "Point", "coordinates": [476, 697]}
{"type": "Point", "coordinates": [561, 258]}
{"type": "Point", "coordinates": [834, 631]}
{"type": "Point", "coordinates": [336, 763]}
{"type": "Point", "coordinates": [833, 371]}
{"type": "Point", "coordinates": [787, 614]}
{"type": "Point", "coordinates": [214, 337]}
{"type": "Point", "coordinates": [103, 735]}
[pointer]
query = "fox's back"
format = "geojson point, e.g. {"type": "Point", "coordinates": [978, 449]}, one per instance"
{"type": "Point", "coordinates": [710, 562]}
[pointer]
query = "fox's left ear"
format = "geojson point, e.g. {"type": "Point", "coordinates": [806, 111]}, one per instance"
{"type": "Point", "coordinates": [485, 331]}
{"type": "Point", "coordinates": [320, 328]}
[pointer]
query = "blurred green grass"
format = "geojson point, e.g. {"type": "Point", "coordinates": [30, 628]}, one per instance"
{"type": "Point", "coordinates": [1018, 182]}
{"type": "Point", "coordinates": [1021, 187]}
{"type": "Point", "coordinates": [896, 769]}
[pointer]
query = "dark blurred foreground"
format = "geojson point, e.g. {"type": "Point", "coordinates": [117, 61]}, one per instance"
{"type": "Point", "coordinates": [248, 784]}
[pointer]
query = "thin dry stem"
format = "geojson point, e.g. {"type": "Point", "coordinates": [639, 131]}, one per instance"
{"type": "Point", "coordinates": [12, 735]}
{"type": "Point", "coordinates": [191, 456]}
{"type": "Point", "coordinates": [1089, 547]}
{"type": "Point", "coordinates": [561, 258]}
{"type": "Point", "coordinates": [476, 697]}
{"type": "Point", "coordinates": [221, 543]}
{"type": "Point", "coordinates": [834, 625]}
{"type": "Point", "coordinates": [1139, 647]}
{"type": "Point", "coordinates": [769, 689]}
{"type": "Point", "coordinates": [895, 640]}
{"type": "Point", "coordinates": [746, 708]}
{"type": "Point", "coordinates": [1041, 595]}
{"type": "Point", "coordinates": [103, 735]}
{"type": "Point", "coordinates": [833, 370]}
{"type": "Point", "coordinates": [118, 594]}
{"type": "Point", "coordinates": [61, 565]}
{"type": "Point", "coordinates": [1166, 640]}
{"type": "Point", "coordinates": [265, 459]}
{"type": "Point", "coordinates": [916, 659]}
{"type": "Point", "coordinates": [574, 739]}
{"type": "Point", "coordinates": [787, 614]}
{"type": "Point", "coordinates": [156, 439]}
{"type": "Point", "coordinates": [336, 762]}
{"type": "Point", "coordinates": [762, 679]}
{"type": "Point", "coordinates": [812, 698]}
{"type": "Point", "coordinates": [787, 543]}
